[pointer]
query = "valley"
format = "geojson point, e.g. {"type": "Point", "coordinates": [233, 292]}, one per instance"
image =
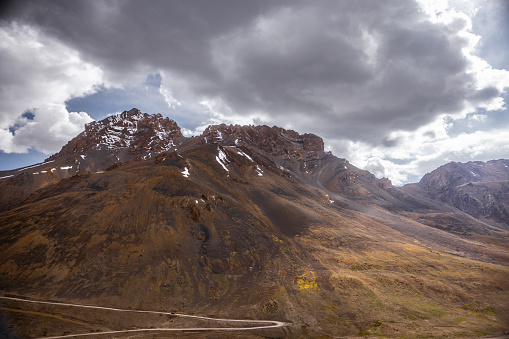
{"type": "Point", "coordinates": [245, 222]}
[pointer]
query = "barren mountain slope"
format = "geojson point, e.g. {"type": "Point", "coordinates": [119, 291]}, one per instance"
{"type": "Point", "coordinates": [480, 189]}
{"type": "Point", "coordinates": [118, 138]}
{"type": "Point", "coordinates": [257, 223]}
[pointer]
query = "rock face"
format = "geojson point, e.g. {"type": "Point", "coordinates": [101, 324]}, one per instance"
{"type": "Point", "coordinates": [456, 174]}
{"type": "Point", "coordinates": [109, 142]}
{"type": "Point", "coordinates": [272, 140]}
{"type": "Point", "coordinates": [480, 189]}
{"type": "Point", "coordinates": [249, 222]}
{"type": "Point", "coordinates": [135, 135]}
{"type": "Point", "coordinates": [140, 133]}
{"type": "Point", "coordinates": [289, 153]}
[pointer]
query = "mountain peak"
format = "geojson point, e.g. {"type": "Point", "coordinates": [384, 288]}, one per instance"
{"type": "Point", "coordinates": [273, 140]}
{"type": "Point", "coordinates": [477, 188]}
{"type": "Point", "coordinates": [131, 130]}
{"type": "Point", "coordinates": [455, 174]}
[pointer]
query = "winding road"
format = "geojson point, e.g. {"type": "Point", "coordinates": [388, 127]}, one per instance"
{"type": "Point", "coordinates": [268, 323]}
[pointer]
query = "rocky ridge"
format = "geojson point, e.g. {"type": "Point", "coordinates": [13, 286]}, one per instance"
{"type": "Point", "coordinates": [478, 188]}
{"type": "Point", "coordinates": [140, 133]}
{"type": "Point", "coordinates": [113, 140]}
{"type": "Point", "coordinates": [257, 218]}
{"type": "Point", "coordinates": [133, 135]}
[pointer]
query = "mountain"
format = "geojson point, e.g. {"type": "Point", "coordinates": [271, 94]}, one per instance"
{"type": "Point", "coordinates": [133, 135]}
{"type": "Point", "coordinates": [247, 222]}
{"type": "Point", "coordinates": [124, 136]}
{"type": "Point", "coordinates": [480, 189]}
{"type": "Point", "coordinates": [116, 139]}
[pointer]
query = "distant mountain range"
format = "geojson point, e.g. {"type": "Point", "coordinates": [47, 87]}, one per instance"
{"type": "Point", "coordinates": [257, 222]}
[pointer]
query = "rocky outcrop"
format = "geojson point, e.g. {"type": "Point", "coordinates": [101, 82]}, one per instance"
{"type": "Point", "coordinates": [133, 135]}
{"type": "Point", "coordinates": [455, 174]}
{"type": "Point", "coordinates": [481, 200]}
{"type": "Point", "coordinates": [477, 188]}
{"type": "Point", "coordinates": [133, 130]}
{"type": "Point", "coordinates": [272, 140]}
{"type": "Point", "coordinates": [480, 189]}
{"type": "Point", "coordinates": [385, 183]}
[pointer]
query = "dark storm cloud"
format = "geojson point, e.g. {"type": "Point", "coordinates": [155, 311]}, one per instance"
{"type": "Point", "coordinates": [121, 36]}
{"type": "Point", "coordinates": [355, 70]}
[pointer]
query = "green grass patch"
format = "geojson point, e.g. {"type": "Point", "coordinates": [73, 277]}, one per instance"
{"type": "Point", "coordinates": [374, 300]}
{"type": "Point", "coordinates": [417, 305]}
{"type": "Point", "coordinates": [489, 310]}
{"type": "Point", "coordinates": [485, 331]}
{"type": "Point", "coordinates": [458, 320]}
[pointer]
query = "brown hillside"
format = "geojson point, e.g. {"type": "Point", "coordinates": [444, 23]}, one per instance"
{"type": "Point", "coordinates": [252, 228]}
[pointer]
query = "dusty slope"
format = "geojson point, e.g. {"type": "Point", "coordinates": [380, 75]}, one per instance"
{"type": "Point", "coordinates": [115, 139]}
{"type": "Point", "coordinates": [241, 237]}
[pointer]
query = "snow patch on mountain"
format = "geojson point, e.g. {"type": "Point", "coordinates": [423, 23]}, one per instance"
{"type": "Point", "coordinates": [222, 159]}
{"type": "Point", "coordinates": [40, 164]}
{"type": "Point", "coordinates": [245, 155]}
{"type": "Point", "coordinates": [259, 171]}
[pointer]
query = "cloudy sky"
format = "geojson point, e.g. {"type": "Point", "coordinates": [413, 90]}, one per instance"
{"type": "Point", "coordinates": [397, 87]}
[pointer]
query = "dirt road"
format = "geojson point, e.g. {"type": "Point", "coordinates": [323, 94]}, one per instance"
{"type": "Point", "coordinates": [267, 323]}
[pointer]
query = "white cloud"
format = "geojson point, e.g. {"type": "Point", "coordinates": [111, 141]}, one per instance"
{"type": "Point", "coordinates": [392, 86]}
{"type": "Point", "coordinates": [410, 153]}
{"type": "Point", "coordinates": [423, 151]}
{"type": "Point", "coordinates": [221, 112]}
{"type": "Point", "coordinates": [51, 128]}
{"type": "Point", "coordinates": [38, 75]}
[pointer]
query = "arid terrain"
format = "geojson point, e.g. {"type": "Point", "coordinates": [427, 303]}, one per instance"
{"type": "Point", "coordinates": [248, 222]}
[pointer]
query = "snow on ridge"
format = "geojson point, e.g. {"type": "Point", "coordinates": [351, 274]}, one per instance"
{"type": "Point", "coordinates": [40, 164]}
{"type": "Point", "coordinates": [259, 171]}
{"type": "Point", "coordinates": [220, 163]}
{"type": "Point", "coordinates": [117, 128]}
{"type": "Point", "coordinates": [138, 116]}
{"type": "Point", "coordinates": [185, 172]}
{"type": "Point", "coordinates": [245, 155]}
{"type": "Point", "coordinates": [222, 160]}
{"type": "Point", "coordinates": [121, 131]}
{"type": "Point", "coordinates": [65, 167]}
{"type": "Point", "coordinates": [8, 176]}
{"type": "Point", "coordinates": [328, 198]}
{"type": "Point", "coordinates": [222, 155]}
